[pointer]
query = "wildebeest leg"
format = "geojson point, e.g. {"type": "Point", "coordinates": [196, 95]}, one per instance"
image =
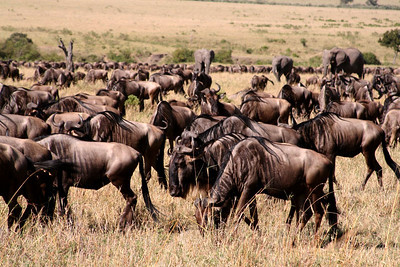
{"type": "Point", "coordinates": [25, 215]}
{"type": "Point", "coordinates": [291, 214]}
{"type": "Point", "coordinates": [244, 200]}
{"type": "Point", "coordinates": [317, 198]}
{"type": "Point", "coordinates": [131, 200]}
{"type": "Point", "coordinates": [373, 165]}
{"type": "Point", "coordinates": [253, 214]}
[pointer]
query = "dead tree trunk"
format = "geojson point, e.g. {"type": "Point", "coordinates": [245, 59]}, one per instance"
{"type": "Point", "coordinates": [68, 54]}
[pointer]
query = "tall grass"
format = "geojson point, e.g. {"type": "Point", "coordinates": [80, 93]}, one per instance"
{"type": "Point", "coordinates": [370, 220]}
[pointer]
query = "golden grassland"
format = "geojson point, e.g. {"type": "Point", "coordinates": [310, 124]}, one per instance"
{"type": "Point", "coordinates": [370, 220]}
{"type": "Point", "coordinates": [254, 32]}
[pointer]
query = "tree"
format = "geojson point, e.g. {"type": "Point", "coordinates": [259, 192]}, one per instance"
{"type": "Point", "coordinates": [391, 39]}
{"type": "Point", "coordinates": [19, 47]}
{"type": "Point", "coordinates": [68, 54]}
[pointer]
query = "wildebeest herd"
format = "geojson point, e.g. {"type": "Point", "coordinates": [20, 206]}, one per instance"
{"type": "Point", "coordinates": [49, 143]}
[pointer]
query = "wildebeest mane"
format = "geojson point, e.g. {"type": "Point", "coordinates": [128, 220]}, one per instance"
{"type": "Point", "coordinates": [317, 128]}
{"type": "Point", "coordinates": [113, 118]}
{"type": "Point", "coordinates": [266, 144]}
{"type": "Point", "coordinates": [66, 103]}
{"type": "Point", "coordinates": [253, 98]}
{"type": "Point", "coordinates": [201, 116]}
{"type": "Point", "coordinates": [218, 131]}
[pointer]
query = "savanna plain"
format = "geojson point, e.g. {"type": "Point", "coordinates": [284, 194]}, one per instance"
{"type": "Point", "coordinates": [370, 219]}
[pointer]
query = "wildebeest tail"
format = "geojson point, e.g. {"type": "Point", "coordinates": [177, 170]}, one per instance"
{"type": "Point", "coordinates": [393, 165]}
{"type": "Point", "coordinates": [145, 192]}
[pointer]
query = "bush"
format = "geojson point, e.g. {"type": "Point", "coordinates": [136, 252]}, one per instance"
{"type": "Point", "coordinates": [182, 55]}
{"type": "Point", "coordinates": [224, 56]}
{"type": "Point", "coordinates": [19, 47]}
{"type": "Point", "coordinates": [371, 59]}
{"type": "Point", "coordinates": [132, 101]}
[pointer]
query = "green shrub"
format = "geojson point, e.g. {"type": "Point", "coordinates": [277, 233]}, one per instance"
{"type": "Point", "coordinates": [19, 47]}
{"type": "Point", "coordinates": [182, 55]}
{"type": "Point", "coordinates": [224, 56]}
{"type": "Point", "coordinates": [132, 101]}
{"type": "Point", "coordinates": [371, 59]}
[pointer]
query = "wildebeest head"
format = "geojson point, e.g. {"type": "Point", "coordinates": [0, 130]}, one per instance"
{"type": "Point", "coordinates": [186, 169]}
{"type": "Point", "coordinates": [209, 101]}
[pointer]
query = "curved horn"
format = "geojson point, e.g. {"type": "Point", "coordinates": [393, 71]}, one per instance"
{"type": "Point", "coordinates": [165, 127]}
{"type": "Point", "coordinates": [219, 87]}
{"type": "Point", "coordinates": [184, 149]}
{"type": "Point", "coordinates": [178, 140]}
{"type": "Point", "coordinates": [59, 125]}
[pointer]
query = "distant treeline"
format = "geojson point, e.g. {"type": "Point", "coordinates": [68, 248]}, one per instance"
{"type": "Point", "coordinates": [265, 2]}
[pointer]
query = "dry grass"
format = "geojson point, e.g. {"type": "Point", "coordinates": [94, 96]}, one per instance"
{"type": "Point", "coordinates": [370, 220]}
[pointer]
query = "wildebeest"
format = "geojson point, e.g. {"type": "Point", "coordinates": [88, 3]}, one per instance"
{"type": "Point", "coordinates": [64, 122]}
{"type": "Point", "coordinates": [313, 80]}
{"type": "Point", "coordinates": [148, 139]}
{"type": "Point", "coordinates": [259, 82]}
{"type": "Point", "coordinates": [28, 147]}
{"type": "Point", "coordinates": [391, 127]}
{"type": "Point", "coordinates": [211, 105]}
{"type": "Point", "coordinates": [243, 125]}
{"type": "Point", "coordinates": [22, 126]}
{"type": "Point", "coordinates": [174, 118]}
{"type": "Point", "coordinates": [22, 100]}
{"type": "Point", "coordinates": [118, 96]}
{"type": "Point", "coordinates": [71, 104]}
{"type": "Point", "coordinates": [300, 177]}
{"type": "Point", "coordinates": [5, 93]}
{"type": "Point", "coordinates": [47, 88]}
{"type": "Point", "coordinates": [199, 82]}
{"type": "Point", "coordinates": [97, 165]}
{"type": "Point", "coordinates": [97, 100]}
{"type": "Point", "coordinates": [152, 91]}
{"type": "Point", "coordinates": [94, 75]}
{"type": "Point", "coordinates": [331, 135]}
{"type": "Point", "coordinates": [168, 82]}
{"type": "Point", "coordinates": [129, 87]}
{"type": "Point", "coordinates": [202, 123]}
{"type": "Point", "coordinates": [21, 176]}
{"type": "Point", "coordinates": [299, 98]}
{"type": "Point", "coordinates": [58, 77]}
{"type": "Point", "coordinates": [198, 167]}
{"type": "Point", "coordinates": [266, 110]}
